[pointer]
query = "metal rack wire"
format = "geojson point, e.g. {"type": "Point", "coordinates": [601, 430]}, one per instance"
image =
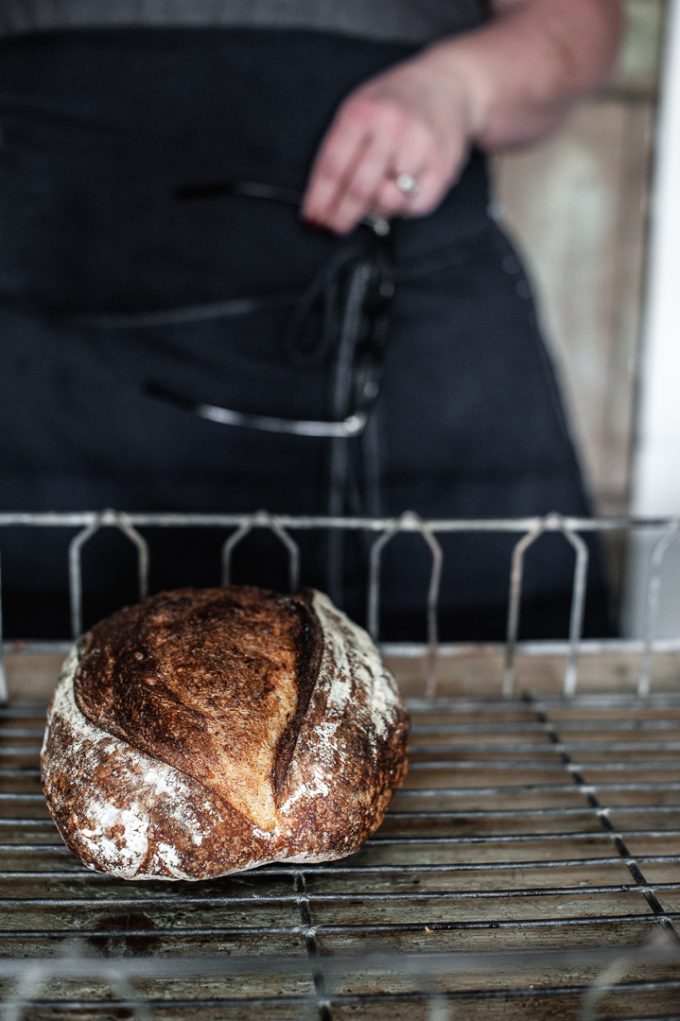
{"type": "Point", "coordinates": [530, 867]}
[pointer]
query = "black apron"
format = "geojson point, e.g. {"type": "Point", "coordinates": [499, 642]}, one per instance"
{"type": "Point", "coordinates": [116, 288]}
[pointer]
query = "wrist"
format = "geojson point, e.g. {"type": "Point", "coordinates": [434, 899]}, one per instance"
{"type": "Point", "coordinates": [465, 83]}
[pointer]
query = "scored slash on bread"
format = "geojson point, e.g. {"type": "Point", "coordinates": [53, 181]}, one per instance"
{"type": "Point", "coordinates": [207, 731]}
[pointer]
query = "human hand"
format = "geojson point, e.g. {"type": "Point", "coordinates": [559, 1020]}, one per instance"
{"type": "Point", "coordinates": [415, 119]}
{"type": "Point", "coordinates": [508, 82]}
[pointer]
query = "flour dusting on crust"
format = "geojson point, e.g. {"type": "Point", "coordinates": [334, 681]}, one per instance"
{"type": "Point", "coordinates": [351, 660]}
{"type": "Point", "coordinates": [118, 835]}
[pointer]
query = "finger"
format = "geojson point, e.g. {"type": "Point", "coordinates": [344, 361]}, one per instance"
{"type": "Point", "coordinates": [431, 191]}
{"type": "Point", "coordinates": [334, 160]}
{"type": "Point", "coordinates": [442, 173]}
{"type": "Point", "coordinates": [389, 200]}
{"type": "Point", "coordinates": [414, 154]}
{"type": "Point", "coordinates": [356, 196]}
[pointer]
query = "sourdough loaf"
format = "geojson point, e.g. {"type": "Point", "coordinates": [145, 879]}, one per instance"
{"type": "Point", "coordinates": [206, 731]}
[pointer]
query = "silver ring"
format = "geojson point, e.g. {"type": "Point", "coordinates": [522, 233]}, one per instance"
{"type": "Point", "coordinates": [407, 185]}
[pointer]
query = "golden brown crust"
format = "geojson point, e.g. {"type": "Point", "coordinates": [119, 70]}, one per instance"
{"type": "Point", "coordinates": [205, 731]}
{"type": "Point", "coordinates": [211, 682]}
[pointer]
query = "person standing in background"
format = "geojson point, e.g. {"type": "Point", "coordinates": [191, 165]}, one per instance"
{"type": "Point", "coordinates": [192, 207]}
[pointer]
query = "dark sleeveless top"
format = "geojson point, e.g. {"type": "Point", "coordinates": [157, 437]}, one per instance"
{"type": "Point", "coordinates": [415, 21]}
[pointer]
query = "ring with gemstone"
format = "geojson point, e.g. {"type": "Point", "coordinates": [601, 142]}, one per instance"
{"type": "Point", "coordinates": [407, 185]}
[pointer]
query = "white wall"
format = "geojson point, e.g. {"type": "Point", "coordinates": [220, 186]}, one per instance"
{"type": "Point", "coordinates": [656, 469]}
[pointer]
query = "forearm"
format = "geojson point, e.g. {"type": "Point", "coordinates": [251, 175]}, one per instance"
{"type": "Point", "coordinates": [523, 71]}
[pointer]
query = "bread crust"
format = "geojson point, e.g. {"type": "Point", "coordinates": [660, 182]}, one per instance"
{"type": "Point", "coordinates": [209, 731]}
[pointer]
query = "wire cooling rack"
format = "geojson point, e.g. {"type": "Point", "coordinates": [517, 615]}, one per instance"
{"type": "Point", "coordinates": [529, 868]}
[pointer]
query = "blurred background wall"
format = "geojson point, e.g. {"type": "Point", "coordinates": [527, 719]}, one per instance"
{"type": "Point", "coordinates": [580, 203]}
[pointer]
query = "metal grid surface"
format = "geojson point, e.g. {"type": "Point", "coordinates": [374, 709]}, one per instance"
{"type": "Point", "coordinates": [529, 868]}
